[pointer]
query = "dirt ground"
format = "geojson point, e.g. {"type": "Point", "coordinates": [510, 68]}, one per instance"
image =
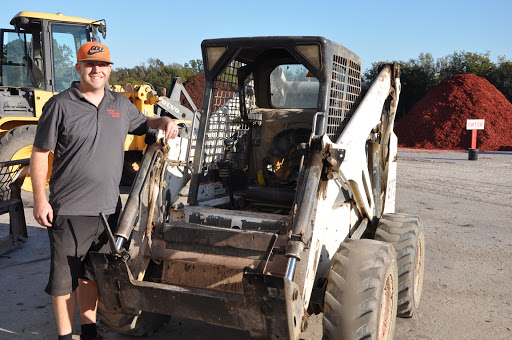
{"type": "Point", "coordinates": [465, 206]}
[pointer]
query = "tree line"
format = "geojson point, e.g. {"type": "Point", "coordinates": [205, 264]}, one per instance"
{"type": "Point", "coordinates": [420, 75]}
{"type": "Point", "coordinates": [156, 73]}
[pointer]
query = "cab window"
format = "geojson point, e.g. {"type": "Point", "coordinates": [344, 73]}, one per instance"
{"type": "Point", "coordinates": [14, 48]}
{"type": "Point", "coordinates": [293, 87]}
{"type": "Point", "coordinates": [66, 40]}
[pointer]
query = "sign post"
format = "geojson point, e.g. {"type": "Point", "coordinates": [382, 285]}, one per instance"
{"type": "Point", "coordinates": [474, 125]}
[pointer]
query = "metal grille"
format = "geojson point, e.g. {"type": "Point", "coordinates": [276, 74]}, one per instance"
{"type": "Point", "coordinates": [226, 120]}
{"type": "Point", "coordinates": [9, 172]}
{"type": "Point", "coordinates": [344, 95]}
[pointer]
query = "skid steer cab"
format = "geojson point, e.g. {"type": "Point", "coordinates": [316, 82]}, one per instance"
{"type": "Point", "coordinates": [290, 206]}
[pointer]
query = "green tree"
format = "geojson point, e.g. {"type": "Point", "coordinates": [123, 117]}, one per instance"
{"type": "Point", "coordinates": [466, 63]}
{"type": "Point", "coordinates": [195, 65]}
{"type": "Point", "coordinates": [154, 72]}
{"type": "Point", "coordinates": [502, 77]}
{"type": "Point", "coordinates": [418, 77]}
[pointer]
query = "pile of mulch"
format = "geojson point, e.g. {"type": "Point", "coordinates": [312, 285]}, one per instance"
{"type": "Point", "coordinates": [195, 88]}
{"type": "Point", "coordinates": [438, 121]}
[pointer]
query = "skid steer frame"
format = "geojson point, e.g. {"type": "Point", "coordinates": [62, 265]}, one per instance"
{"type": "Point", "coordinates": [246, 251]}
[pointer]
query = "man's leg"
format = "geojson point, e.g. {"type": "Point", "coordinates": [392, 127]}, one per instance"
{"type": "Point", "coordinates": [64, 308]}
{"type": "Point", "coordinates": [87, 291]}
{"type": "Point", "coordinates": [64, 269]}
{"type": "Point", "coordinates": [70, 240]}
{"type": "Point", "coordinates": [87, 300]}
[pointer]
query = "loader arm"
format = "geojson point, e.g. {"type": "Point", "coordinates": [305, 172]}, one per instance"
{"type": "Point", "coordinates": [172, 105]}
{"type": "Point", "coordinates": [372, 115]}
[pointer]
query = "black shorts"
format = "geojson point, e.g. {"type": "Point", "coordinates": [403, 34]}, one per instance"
{"type": "Point", "coordinates": [71, 239]}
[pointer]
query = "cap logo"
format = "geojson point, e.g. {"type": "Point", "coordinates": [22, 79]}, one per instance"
{"type": "Point", "coordinates": [95, 50]}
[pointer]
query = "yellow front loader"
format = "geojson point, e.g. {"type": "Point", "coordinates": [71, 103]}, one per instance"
{"type": "Point", "coordinates": [38, 61]}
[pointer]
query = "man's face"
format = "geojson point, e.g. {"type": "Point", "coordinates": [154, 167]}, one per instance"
{"type": "Point", "coordinates": [93, 74]}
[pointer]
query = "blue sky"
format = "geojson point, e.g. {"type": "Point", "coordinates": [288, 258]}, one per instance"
{"type": "Point", "coordinates": [172, 30]}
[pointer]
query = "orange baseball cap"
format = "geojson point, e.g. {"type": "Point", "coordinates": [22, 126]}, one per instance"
{"type": "Point", "coordinates": [94, 51]}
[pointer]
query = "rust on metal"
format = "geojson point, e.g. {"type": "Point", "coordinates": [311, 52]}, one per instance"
{"type": "Point", "coordinates": [203, 275]}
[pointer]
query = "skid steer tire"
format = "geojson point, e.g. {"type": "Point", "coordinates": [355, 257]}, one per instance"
{"type": "Point", "coordinates": [135, 325]}
{"type": "Point", "coordinates": [361, 294]}
{"type": "Point", "coordinates": [407, 236]}
{"type": "Point", "coordinates": [17, 144]}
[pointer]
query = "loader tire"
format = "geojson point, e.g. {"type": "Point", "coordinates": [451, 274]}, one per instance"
{"type": "Point", "coordinates": [407, 236]}
{"type": "Point", "coordinates": [143, 324]}
{"type": "Point", "coordinates": [361, 294]}
{"type": "Point", "coordinates": [17, 144]}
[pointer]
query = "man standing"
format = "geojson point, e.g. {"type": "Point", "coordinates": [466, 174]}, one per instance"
{"type": "Point", "coordinates": [86, 127]}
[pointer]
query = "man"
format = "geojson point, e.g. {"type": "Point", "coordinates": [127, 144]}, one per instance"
{"type": "Point", "coordinates": [85, 126]}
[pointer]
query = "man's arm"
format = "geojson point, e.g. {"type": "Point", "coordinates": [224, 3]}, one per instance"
{"type": "Point", "coordinates": [43, 212]}
{"type": "Point", "coordinates": [166, 124]}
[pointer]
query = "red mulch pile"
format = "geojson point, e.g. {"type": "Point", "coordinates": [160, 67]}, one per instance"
{"type": "Point", "coordinates": [438, 121]}
{"type": "Point", "coordinates": [195, 88]}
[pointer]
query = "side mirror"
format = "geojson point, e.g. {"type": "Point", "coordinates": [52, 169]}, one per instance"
{"type": "Point", "coordinates": [103, 29]}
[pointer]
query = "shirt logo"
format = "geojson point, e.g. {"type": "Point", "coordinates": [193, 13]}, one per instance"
{"type": "Point", "coordinates": [113, 113]}
{"type": "Point", "coordinates": [95, 50]}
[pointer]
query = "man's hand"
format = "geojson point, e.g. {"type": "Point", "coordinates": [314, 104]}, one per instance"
{"type": "Point", "coordinates": [166, 124]}
{"type": "Point", "coordinates": [43, 213]}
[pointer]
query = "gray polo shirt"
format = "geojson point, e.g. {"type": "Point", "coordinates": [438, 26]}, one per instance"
{"type": "Point", "coordinates": [88, 145]}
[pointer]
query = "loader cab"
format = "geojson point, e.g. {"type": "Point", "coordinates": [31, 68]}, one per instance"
{"type": "Point", "coordinates": [265, 99]}
{"type": "Point", "coordinates": [40, 52]}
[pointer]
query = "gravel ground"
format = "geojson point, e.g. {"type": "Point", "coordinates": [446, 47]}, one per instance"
{"type": "Point", "coordinates": [465, 207]}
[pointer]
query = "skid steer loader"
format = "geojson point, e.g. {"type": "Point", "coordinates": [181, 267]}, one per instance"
{"type": "Point", "coordinates": [279, 205]}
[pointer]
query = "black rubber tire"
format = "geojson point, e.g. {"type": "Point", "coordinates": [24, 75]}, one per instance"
{"type": "Point", "coordinates": [12, 142]}
{"type": "Point", "coordinates": [407, 236]}
{"type": "Point", "coordinates": [361, 294]}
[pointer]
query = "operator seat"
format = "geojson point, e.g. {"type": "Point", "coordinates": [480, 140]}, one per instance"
{"type": "Point", "coordinates": [34, 72]}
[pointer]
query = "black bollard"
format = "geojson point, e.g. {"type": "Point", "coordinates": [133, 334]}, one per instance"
{"type": "Point", "coordinates": [472, 154]}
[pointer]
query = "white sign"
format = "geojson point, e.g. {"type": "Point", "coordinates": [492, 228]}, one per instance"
{"type": "Point", "coordinates": [475, 124]}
